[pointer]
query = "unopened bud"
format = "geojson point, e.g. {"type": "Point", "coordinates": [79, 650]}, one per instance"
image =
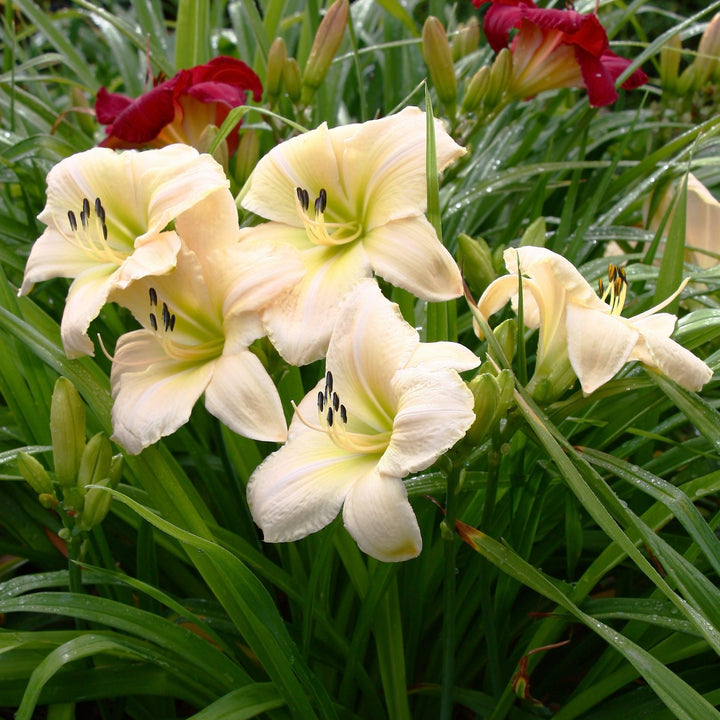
{"type": "Point", "coordinates": [438, 57]}
{"type": "Point", "coordinates": [506, 334]}
{"type": "Point", "coordinates": [275, 64]}
{"type": "Point", "coordinates": [115, 472]}
{"type": "Point", "coordinates": [35, 474]}
{"type": "Point", "coordinates": [67, 429]}
{"type": "Point", "coordinates": [670, 63]}
{"type": "Point", "coordinates": [475, 259]}
{"type": "Point", "coordinates": [95, 461]}
{"type": "Point", "coordinates": [247, 155]}
{"type": "Point", "coordinates": [81, 105]}
{"type": "Point", "coordinates": [493, 397]}
{"type": "Point", "coordinates": [686, 81]}
{"type": "Point", "coordinates": [708, 53]}
{"type": "Point", "coordinates": [64, 534]}
{"type": "Point", "coordinates": [327, 41]}
{"type": "Point", "coordinates": [535, 233]}
{"type": "Point", "coordinates": [48, 500]}
{"type": "Point", "coordinates": [500, 75]}
{"type": "Point", "coordinates": [97, 505]}
{"type": "Point", "coordinates": [292, 79]}
{"type": "Point", "coordinates": [476, 89]}
{"type": "Point", "coordinates": [466, 39]}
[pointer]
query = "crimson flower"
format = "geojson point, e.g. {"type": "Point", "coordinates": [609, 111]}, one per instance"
{"type": "Point", "coordinates": [179, 109]}
{"type": "Point", "coordinates": [556, 48]}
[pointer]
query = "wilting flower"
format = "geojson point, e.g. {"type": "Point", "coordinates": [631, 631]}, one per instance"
{"type": "Point", "coordinates": [352, 199]}
{"type": "Point", "coordinates": [198, 322]}
{"type": "Point", "coordinates": [556, 49]}
{"type": "Point", "coordinates": [581, 332]}
{"type": "Point", "coordinates": [107, 217]}
{"type": "Point", "coordinates": [702, 222]}
{"type": "Point", "coordinates": [180, 109]}
{"type": "Point", "coordinates": [388, 406]}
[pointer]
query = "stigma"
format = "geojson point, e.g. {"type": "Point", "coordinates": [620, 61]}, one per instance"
{"type": "Point", "coordinates": [320, 231]}
{"type": "Point", "coordinates": [89, 232]}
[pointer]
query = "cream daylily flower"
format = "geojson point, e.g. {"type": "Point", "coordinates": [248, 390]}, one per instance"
{"type": "Point", "coordinates": [198, 322]}
{"type": "Point", "coordinates": [352, 199]}
{"type": "Point", "coordinates": [582, 334]}
{"type": "Point", "coordinates": [108, 216]}
{"type": "Point", "coordinates": [388, 406]}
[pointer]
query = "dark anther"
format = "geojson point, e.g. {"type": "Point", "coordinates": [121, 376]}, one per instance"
{"type": "Point", "coordinates": [601, 286]}
{"type": "Point", "coordinates": [172, 323]}
{"type": "Point", "coordinates": [153, 321]}
{"type": "Point", "coordinates": [343, 414]}
{"type": "Point", "coordinates": [166, 316]}
{"type": "Point", "coordinates": [99, 210]}
{"type": "Point", "coordinates": [336, 401]}
{"type": "Point", "coordinates": [321, 400]}
{"type": "Point", "coordinates": [83, 219]}
{"type": "Point", "coordinates": [104, 227]}
{"type": "Point", "coordinates": [153, 297]}
{"type": "Point", "coordinates": [328, 382]}
{"type": "Point", "coordinates": [73, 220]}
{"type": "Point", "coordinates": [329, 417]}
{"type": "Point", "coordinates": [86, 207]}
{"type": "Point", "coordinates": [303, 197]}
{"type": "Point", "coordinates": [621, 272]}
{"type": "Point", "coordinates": [323, 199]}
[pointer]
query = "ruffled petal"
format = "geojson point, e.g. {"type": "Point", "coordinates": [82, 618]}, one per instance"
{"type": "Point", "coordinates": [435, 410]}
{"type": "Point", "coordinates": [154, 394]}
{"type": "Point", "coordinates": [443, 356]}
{"type": "Point", "coordinates": [408, 254]}
{"type": "Point", "coordinates": [242, 395]}
{"type": "Point", "coordinates": [210, 224]}
{"type": "Point", "coordinates": [156, 258]}
{"type": "Point", "coordinates": [300, 488]}
{"type": "Point", "coordinates": [379, 517]}
{"type": "Point", "coordinates": [598, 345]}
{"type": "Point", "coordinates": [300, 320]}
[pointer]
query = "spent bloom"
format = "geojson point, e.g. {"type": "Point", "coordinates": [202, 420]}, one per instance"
{"type": "Point", "coordinates": [583, 334]}
{"type": "Point", "coordinates": [556, 48]}
{"type": "Point", "coordinates": [388, 406]}
{"type": "Point", "coordinates": [352, 200]}
{"type": "Point", "coordinates": [108, 216]}
{"type": "Point", "coordinates": [198, 322]}
{"type": "Point", "coordinates": [180, 109]}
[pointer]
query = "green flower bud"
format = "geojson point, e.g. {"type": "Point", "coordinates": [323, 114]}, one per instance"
{"type": "Point", "coordinates": [48, 501]}
{"type": "Point", "coordinates": [670, 63]}
{"type": "Point", "coordinates": [476, 90]}
{"type": "Point", "coordinates": [494, 396]}
{"type": "Point", "coordinates": [67, 429]}
{"type": "Point", "coordinates": [708, 53]}
{"type": "Point", "coordinates": [506, 334]}
{"type": "Point", "coordinates": [35, 474]}
{"type": "Point", "coordinates": [475, 259]}
{"type": "Point", "coordinates": [97, 505]}
{"type": "Point", "coordinates": [84, 113]}
{"type": "Point", "coordinates": [438, 57]}
{"type": "Point", "coordinates": [466, 39]}
{"type": "Point", "coordinates": [247, 155]}
{"type": "Point", "coordinates": [292, 79]}
{"type": "Point", "coordinates": [500, 76]}
{"type": "Point", "coordinates": [115, 472]}
{"type": "Point", "coordinates": [277, 57]}
{"type": "Point", "coordinates": [686, 82]}
{"type": "Point", "coordinates": [327, 41]}
{"type": "Point", "coordinates": [535, 233]}
{"type": "Point", "coordinates": [95, 461]}
{"type": "Point", "coordinates": [73, 500]}
{"type": "Point", "coordinates": [65, 534]}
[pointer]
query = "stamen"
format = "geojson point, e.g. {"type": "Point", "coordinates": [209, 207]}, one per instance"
{"type": "Point", "coordinates": [321, 401]}
{"type": "Point", "coordinates": [153, 321]}
{"type": "Point", "coordinates": [321, 202]}
{"type": "Point", "coordinates": [303, 198]}
{"type": "Point", "coordinates": [328, 383]}
{"type": "Point", "coordinates": [92, 236]}
{"type": "Point", "coordinates": [343, 414]}
{"type": "Point", "coordinates": [329, 417]}
{"type": "Point", "coordinates": [319, 231]}
{"type": "Point", "coordinates": [617, 289]}
{"type": "Point", "coordinates": [336, 401]}
{"type": "Point", "coordinates": [73, 221]}
{"type": "Point", "coordinates": [153, 297]}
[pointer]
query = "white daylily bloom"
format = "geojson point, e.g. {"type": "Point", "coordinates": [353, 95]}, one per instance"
{"type": "Point", "coordinates": [352, 199]}
{"type": "Point", "coordinates": [107, 217]}
{"type": "Point", "coordinates": [198, 322]}
{"type": "Point", "coordinates": [702, 221]}
{"type": "Point", "coordinates": [580, 332]}
{"type": "Point", "coordinates": [389, 406]}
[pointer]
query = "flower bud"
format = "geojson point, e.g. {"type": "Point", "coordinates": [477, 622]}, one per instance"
{"type": "Point", "coordinates": [67, 429]}
{"type": "Point", "coordinates": [97, 505]}
{"type": "Point", "coordinates": [95, 461]}
{"type": "Point", "coordinates": [670, 64]}
{"type": "Point", "coordinates": [277, 57]}
{"type": "Point", "coordinates": [48, 501]}
{"type": "Point", "coordinates": [475, 259]}
{"type": "Point", "coordinates": [35, 474]}
{"type": "Point", "coordinates": [500, 76]}
{"type": "Point", "coordinates": [506, 334]}
{"type": "Point", "coordinates": [476, 89]}
{"type": "Point", "coordinates": [206, 139]}
{"type": "Point", "coordinates": [466, 39]}
{"type": "Point", "coordinates": [292, 79]}
{"type": "Point", "coordinates": [438, 57]}
{"type": "Point", "coordinates": [115, 472]}
{"type": "Point", "coordinates": [493, 398]}
{"type": "Point", "coordinates": [327, 41]}
{"type": "Point", "coordinates": [535, 233]}
{"type": "Point", "coordinates": [246, 155]}
{"type": "Point", "coordinates": [708, 53]}
{"type": "Point", "coordinates": [84, 113]}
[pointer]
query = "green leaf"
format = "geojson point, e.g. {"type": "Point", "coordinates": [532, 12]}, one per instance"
{"type": "Point", "coordinates": [192, 33]}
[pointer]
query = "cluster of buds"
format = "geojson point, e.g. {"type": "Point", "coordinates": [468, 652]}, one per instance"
{"type": "Point", "coordinates": [284, 72]}
{"type": "Point", "coordinates": [82, 470]}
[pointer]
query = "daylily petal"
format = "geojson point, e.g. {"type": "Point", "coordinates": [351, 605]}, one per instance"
{"type": "Point", "coordinates": [155, 399]}
{"type": "Point", "coordinates": [87, 294]}
{"type": "Point", "coordinates": [443, 356]}
{"type": "Point", "coordinates": [300, 488]}
{"type": "Point", "coordinates": [211, 223]}
{"type": "Point", "coordinates": [598, 80]}
{"type": "Point", "coordinates": [369, 344]}
{"type": "Point", "coordinates": [435, 410]}
{"type": "Point", "coordinates": [379, 517]}
{"type": "Point", "coordinates": [428, 270]}
{"type": "Point", "coordinates": [242, 395]}
{"type": "Point", "coordinates": [598, 345]}
{"type": "Point", "coordinates": [300, 320]}
{"type": "Point", "coordinates": [155, 258]}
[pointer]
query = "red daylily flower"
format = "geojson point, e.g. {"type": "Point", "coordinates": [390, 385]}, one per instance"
{"type": "Point", "coordinates": [557, 48]}
{"type": "Point", "coordinates": [179, 109]}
